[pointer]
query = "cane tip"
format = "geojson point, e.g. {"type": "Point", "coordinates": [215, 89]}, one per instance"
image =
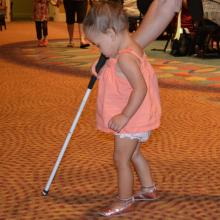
{"type": "Point", "coordinates": [45, 192]}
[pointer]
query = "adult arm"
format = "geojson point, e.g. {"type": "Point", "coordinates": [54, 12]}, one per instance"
{"type": "Point", "coordinates": [158, 16]}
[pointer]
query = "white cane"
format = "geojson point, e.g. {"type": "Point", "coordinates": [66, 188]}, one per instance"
{"type": "Point", "coordinates": [99, 65]}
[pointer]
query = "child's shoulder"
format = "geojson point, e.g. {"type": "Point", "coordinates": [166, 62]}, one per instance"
{"type": "Point", "coordinates": [133, 49]}
{"type": "Point", "coordinates": [129, 54]}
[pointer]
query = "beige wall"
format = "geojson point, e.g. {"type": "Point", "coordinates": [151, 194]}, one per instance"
{"type": "Point", "coordinates": [8, 12]}
{"type": "Point", "coordinates": [22, 9]}
{"type": "Point", "coordinates": [59, 13]}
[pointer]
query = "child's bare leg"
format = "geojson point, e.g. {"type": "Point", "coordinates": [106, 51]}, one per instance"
{"type": "Point", "coordinates": [124, 149]}
{"type": "Point", "coordinates": [148, 190]}
{"type": "Point", "coordinates": [142, 167]}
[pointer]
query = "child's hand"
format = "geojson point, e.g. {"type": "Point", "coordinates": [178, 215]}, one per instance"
{"type": "Point", "coordinates": [93, 70]}
{"type": "Point", "coordinates": [97, 65]}
{"type": "Point", "coordinates": [117, 122]}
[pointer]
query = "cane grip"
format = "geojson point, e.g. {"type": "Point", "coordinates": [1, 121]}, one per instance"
{"type": "Point", "coordinates": [99, 65]}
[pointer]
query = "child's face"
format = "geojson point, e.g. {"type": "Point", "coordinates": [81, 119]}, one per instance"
{"type": "Point", "coordinates": [106, 42]}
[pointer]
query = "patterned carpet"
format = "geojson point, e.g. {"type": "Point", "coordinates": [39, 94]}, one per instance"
{"type": "Point", "coordinates": [40, 92]}
{"type": "Point", "coordinates": [60, 58]}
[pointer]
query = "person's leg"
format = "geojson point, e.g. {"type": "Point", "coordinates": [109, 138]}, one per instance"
{"type": "Point", "coordinates": [38, 29]}
{"type": "Point", "coordinates": [200, 39]}
{"type": "Point", "coordinates": [142, 167]}
{"type": "Point", "coordinates": [148, 189]}
{"type": "Point", "coordinates": [124, 149]}
{"type": "Point", "coordinates": [45, 33]}
{"type": "Point", "coordinates": [81, 8]}
{"type": "Point", "coordinates": [70, 20]}
{"type": "Point", "coordinates": [70, 29]}
{"type": "Point", "coordinates": [83, 42]}
{"type": "Point", "coordinates": [38, 32]}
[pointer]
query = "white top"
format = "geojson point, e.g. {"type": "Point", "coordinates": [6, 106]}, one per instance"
{"type": "Point", "coordinates": [130, 7]}
{"type": "Point", "coordinates": [212, 10]}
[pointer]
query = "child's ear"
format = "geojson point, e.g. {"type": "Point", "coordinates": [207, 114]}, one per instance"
{"type": "Point", "coordinates": [111, 33]}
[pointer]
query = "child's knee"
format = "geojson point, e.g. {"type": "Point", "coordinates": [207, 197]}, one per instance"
{"type": "Point", "coordinates": [120, 160]}
{"type": "Point", "coordinates": [136, 156]}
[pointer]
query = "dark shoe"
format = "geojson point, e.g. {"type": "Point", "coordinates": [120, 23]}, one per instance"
{"type": "Point", "coordinates": [82, 46]}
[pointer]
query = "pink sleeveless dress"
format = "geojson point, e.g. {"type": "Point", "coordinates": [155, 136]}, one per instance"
{"type": "Point", "coordinates": [114, 92]}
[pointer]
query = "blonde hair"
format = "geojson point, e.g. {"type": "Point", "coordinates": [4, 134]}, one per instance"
{"type": "Point", "coordinates": [105, 15]}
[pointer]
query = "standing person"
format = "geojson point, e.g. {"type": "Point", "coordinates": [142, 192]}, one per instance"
{"type": "Point", "coordinates": [40, 16]}
{"type": "Point", "coordinates": [128, 103]}
{"type": "Point", "coordinates": [78, 8]}
{"type": "Point", "coordinates": [3, 9]}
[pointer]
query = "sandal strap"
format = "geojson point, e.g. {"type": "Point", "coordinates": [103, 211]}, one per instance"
{"type": "Point", "coordinates": [127, 201]}
{"type": "Point", "coordinates": [148, 188]}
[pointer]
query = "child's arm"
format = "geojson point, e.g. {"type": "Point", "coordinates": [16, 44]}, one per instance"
{"type": "Point", "coordinates": [129, 66]}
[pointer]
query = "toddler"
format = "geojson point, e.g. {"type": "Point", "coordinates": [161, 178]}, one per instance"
{"type": "Point", "coordinates": [40, 16]}
{"type": "Point", "coordinates": [128, 103]}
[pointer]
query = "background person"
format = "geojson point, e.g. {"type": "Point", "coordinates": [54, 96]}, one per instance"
{"type": "Point", "coordinates": [3, 7]}
{"type": "Point", "coordinates": [40, 16]}
{"type": "Point", "coordinates": [3, 10]}
{"type": "Point", "coordinates": [78, 8]}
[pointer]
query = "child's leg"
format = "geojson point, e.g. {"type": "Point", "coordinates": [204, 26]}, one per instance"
{"type": "Point", "coordinates": [38, 25]}
{"type": "Point", "coordinates": [124, 149]}
{"type": "Point", "coordinates": [38, 29]}
{"type": "Point", "coordinates": [142, 167]}
{"type": "Point", "coordinates": [45, 29]}
{"type": "Point", "coordinates": [148, 190]}
{"type": "Point", "coordinates": [45, 33]}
